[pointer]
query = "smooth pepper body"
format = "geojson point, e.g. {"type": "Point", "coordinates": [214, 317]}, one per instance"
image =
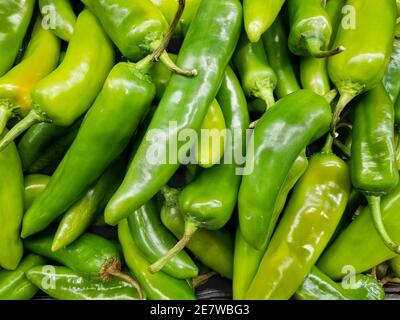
{"type": "Point", "coordinates": [34, 186]}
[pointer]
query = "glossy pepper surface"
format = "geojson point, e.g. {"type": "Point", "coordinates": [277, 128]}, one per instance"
{"type": "Point", "coordinates": [318, 286]}
{"type": "Point", "coordinates": [11, 207]}
{"type": "Point", "coordinates": [34, 186]}
{"type": "Point", "coordinates": [70, 285]}
{"type": "Point", "coordinates": [154, 240]}
{"type": "Point", "coordinates": [359, 245]}
{"type": "Point", "coordinates": [259, 16]}
{"type": "Point", "coordinates": [40, 58]}
{"type": "Point", "coordinates": [15, 16]}
{"type": "Point", "coordinates": [209, 54]}
{"type": "Point", "coordinates": [89, 59]}
{"type": "Point", "coordinates": [158, 286]}
{"type": "Point", "coordinates": [59, 17]}
{"type": "Point", "coordinates": [310, 219]}
{"type": "Point", "coordinates": [14, 285]}
{"type": "Point", "coordinates": [392, 75]}
{"type": "Point", "coordinates": [279, 57]}
{"type": "Point", "coordinates": [367, 35]}
{"type": "Point", "coordinates": [286, 121]}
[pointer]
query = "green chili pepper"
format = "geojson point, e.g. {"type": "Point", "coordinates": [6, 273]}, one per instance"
{"type": "Point", "coordinates": [59, 16]}
{"type": "Point", "coordinates": [40, 58]}
{"type": "Point", "coordinates": [373, 153]}
{"type": "Point", "coordinates": [258, 78]}
{"type": "Point", "coordinates": [314, 75]}
{"type": "Point", "coordinates": [334, 9]}
{"type": "Point", "coordinates": [169, 7]}
{"type": "Point", "coordinates": [308, 223]}
{"type": "Point", "coordinates": [14, 285]}
{"type": "Point", "coordinates": [395, 265]}
{"type": "Point", "coordinates": [11, 207]}
{"type": "Point", "coordinates": [35, 141]}
{"type": "Point", "coordinates": [34, 186]}
{"type": "Point", "coordinates": [297, 119]}
{"type": "Point", "coordinates": [359, 247]}
{"type": "Point", "coordinates": [367, 34]}
{"type": "Point", "coordinates": [214, 248]}
{"type": "Point", "coordinates": [185, 102]}
{"type": "Point", "coordinates": [15, 16]}
{"type": "Point", "coordinates": [209, 208]}
{"type": "Point", "coordinates": [310, 29]}
{"type": "Point", "coordinates": [247, 258]}
{"type": "Point", "coordinates": [391, 80]}
{"type": "Point", "coordinates": [64, 284]}
{"type": "Point", "coordinates": [159, 286]}
{"type": "Point", "coordinates": [259, 16]}
{"type": "Point", "coordinates": [161, 76]}
{"type": "Point", "coordinates": [80, 216]}
{"type": "Point", "coordinates": [91, 256]}
{"type": "Point", "coordinates": [318, 286]}
{"type": "Point", "coordinates": [275, 43]}
{"type": "Point", "coordinates": [79, 78]}
{"type": "Point", "coordinates": [154, 240]}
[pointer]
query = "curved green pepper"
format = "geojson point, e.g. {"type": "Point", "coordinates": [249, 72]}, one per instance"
{"type": "Point", "coordinates": [334, 9]}
{"type": "Point", "coordinates": [367, 34]}
{"type": "Point", "coordinates": [213, 248]}
{"type": "Point", "coordinates": [154, 240]}
{"type": "Point", "coordinates": [11, 207]}
{"type": "Point", "coordinates": [14, 285]}
{"type": "Point", "coordinates": [314, 75]}
{"type": "Point", "coordinates": [247, 258]}
{"type": "Point", "coordinates": [258, 78]}
{"type": "Point", "coordinates": [185, 102]}
{"type": "Point", "coordinates": [35, 141]}
{"type": "Point", "coordinates": [211, 208]}
{"type": "Point", "coordinates": [65, 284]}
{"type": "Point", "coordinates": [373, 153]}
{"type": "Point", "coordinates": [297, 119]}
{"type": "Point", "coordinates": [15, 16]}
{"type": "Point", "coordinates": [279, 57]}
{"type": "Point", "coordinates": [318, 286]}
{"type": "Point", "coordinates": [159, 286]}
{"type": "Point", "coordinates": [310, 29]}
{"type": "Point", "coordinates": [359, 247]}
{"type": "Point", "coordinates": [309, 221]}
{"type": "Point", "coordinates": [92, 256]}
{"type": "Point", "coordinates": [391, 80]}
{"type": "Point", "coordinates": [259, 16]}
{"type": "Point", "coordinates": [59, 16]}
{"type": "Point", "coordinates": [40, 58]}
{"type": "Point", "coordinates": [80, 216]}
{"type": "Point", "coordinates": [89, 59]}
{"type": "Point", "coordinates": [34, 186]}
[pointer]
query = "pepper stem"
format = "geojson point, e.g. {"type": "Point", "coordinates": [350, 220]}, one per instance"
{"type": "Point", "coordinates": [160, 51]}
{"type": "Point", "coordinates": [314, 45]}
{"type": "Point", "coordinates": [27, 122]}
{"type": "Point", "coordinates": [202, 279]}
{"type": "Point", "coordinates": [190, 229]}
{"type": "Point", "coordinates": [331, 95]}
{"type": "Point", "coordinates": [327, 148]}
{"type": "Point", "coordinates": [267, 95]}
{"type": "Point", "coordinates": [375, 208]}
{"type": "Point", "coordinates": [344, 100]}
{"type": "Point", "coordinates": [123, 276]}
{"type": "Point", "coordinates": [5, 114]}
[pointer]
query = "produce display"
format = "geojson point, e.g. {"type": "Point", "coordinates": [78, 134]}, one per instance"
{"type": "Point", "coordinates": [147, 146]}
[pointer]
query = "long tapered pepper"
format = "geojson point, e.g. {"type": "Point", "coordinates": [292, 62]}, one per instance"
{"type": "Point", "coordinates": [14, 285]}
{"type": "Point", "coordinates": [310, 219]}
{"type": "Point", "coordinates": [209, 208]}
{"type": "Point", "coordinates": [40, 58]}
{"type": "Point", "coordinates": [185, 102]}
{"type": "Point", "coordinates": [259, 16]}
{"type": "Point", "coordinates": [154, 240]}
{"type": "Point", "coordinates": [286, 121]}
{"type": "Point", "coordinates": [359, 247]}
{"type": "Point", "coordinates": [275, 43]}
{"type": "Point", "coordinates": [159, 286]}
{"type": "Point", "coordinates": [258, 78]}
{"type": "Point", "coordinates": [310, 29]}
{"type": "Point", "coordinates": [65, 284]}
{"type": "Point", "coordinates": [11, 207]}
{"type": "Point", "coordinates": [59, 17]}
{"type": "Point", "coordinates": [15, 16]}
{"type": "Point", "coordinates": [92, 256]}
{"type": "Point", "coordinates": [363, 64]}
{"type": "Point", "coordinates": [89, 59]}
{"type": "Point", "coordinates": [373, 153]}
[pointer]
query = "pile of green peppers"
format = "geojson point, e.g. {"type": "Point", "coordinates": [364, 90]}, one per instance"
{"type": "Point", "coordinates": [300, 200]}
